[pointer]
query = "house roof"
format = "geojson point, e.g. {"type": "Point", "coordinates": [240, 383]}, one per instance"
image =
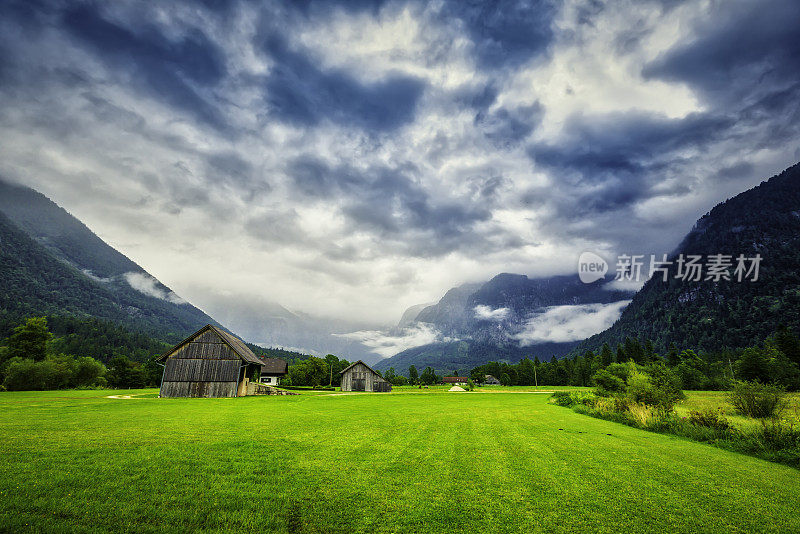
{"type": "Point", "coordinates": [273, 366]}
{"type": "Point", "coordinates": [235, 344]}
{"type": "Point", "coordinates": [343, 371]}
{"type": "Point", "coordinates": [455, 379]}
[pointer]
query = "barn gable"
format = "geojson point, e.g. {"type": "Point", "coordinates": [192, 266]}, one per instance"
{"type": "Point", "coordinates": [209, 363]}
{"type": "Point", "coordinates": [361, 377]}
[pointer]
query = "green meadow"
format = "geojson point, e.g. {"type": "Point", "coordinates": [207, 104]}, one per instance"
{"type": "Point", "coordinates": [717, 400]}
{"type": "Point", "coordinates": [410, 461]}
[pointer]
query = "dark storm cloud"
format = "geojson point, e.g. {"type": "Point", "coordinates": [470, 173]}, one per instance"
{"type": "Point", "coordinates": [741, 47]}
{"type": "Point", "coordinates": [500, 126]}
{"type": "Point", "coordinates": [391, 203]}
{"type": "Point", "coordinates": [170, 70]}
{"type": "Point", "coordinates": [300, 92]}
{"type": "Point", "coordinates": [507, 127]}
{"type": "Point", "coordinates": [505, 32]}
{"type": "Point", "coordinates": [230, 168]}
{"type": "Point", "coordinates": [745, 60]}
{"type": "Point", "coordinates": [627, 143]}
{"type": "Point", "coordinates": [613, 162]}
{"type": "Point", "coordinates": [478, 97]}
{"type": "Point", "coordinates": [314, 178]}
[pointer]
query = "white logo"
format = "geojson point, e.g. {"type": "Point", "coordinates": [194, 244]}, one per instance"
{"type": "Point", "coordinates": [591, 267]}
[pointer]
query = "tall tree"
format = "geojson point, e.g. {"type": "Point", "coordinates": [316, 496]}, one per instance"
{"type": "Point", "coordinates": [753, 365]}
{"type": "Point", "coordinates": [29, 340]}
{"type": "Point", "coordinates": [606, 356]}
{"type": "Point", "coordinates": [673, 358]}
{"type": "Point", "coordinates": [788, 343]}
{"type": "Point", "coordinates": [649, 351]}
{"type": "Point", "coordinates": [428, 376]}
{"type": "Point", "coordinates": [413, 375]}
{"type": "Point", "coordinates": [333, 362]}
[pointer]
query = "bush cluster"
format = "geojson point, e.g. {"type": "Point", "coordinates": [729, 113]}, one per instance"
{"type": "Point", "coordinates": [29, 362]}
{"type": "Point", "coordinates": [54, 372]}
{"type": "Point", "coordinates": [709, 419]}
{"type": "Point", "coordinates": [647, 403]}
{"type": "Point", "coordinates": [761, 401]}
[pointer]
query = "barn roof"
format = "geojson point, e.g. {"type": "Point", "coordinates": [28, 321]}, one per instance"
{"type": "Point", "coordinates": [455, 379]}
{"type": "Point", "coordinates": [235, 344]}
{"type": "Point", "coordinates": [356, 363]}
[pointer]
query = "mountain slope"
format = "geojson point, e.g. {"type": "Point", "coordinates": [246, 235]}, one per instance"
{"type": "Point", "coordinates": [495, 311]}
{"type": "Point", "coordinates": [484, 322]}
{"type": "Point", "coordinates": [61, 233]}
{"type": "Point", "coordinates": [710, 316]}
{"type": "Point", "coordinates": [52, 264]}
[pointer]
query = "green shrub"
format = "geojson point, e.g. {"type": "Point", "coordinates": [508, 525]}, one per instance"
{"type": "Point", "coordinates": [561, 398]}
{"type": "Point", "coordinates": [88, 372]}
{"type": "Point", "coordinates": [616, 404]}
{"type": "Point", "coordinates": [581, 409]}
{"type": "Point", "coordinates": [658, 387]}
{"type": "Point", "coordinates": [586, 398]}
{"type": "Point", "coordinates": [777, 436]}
{"type": "Point", "coordinates": [758, 400]}
{"type": "Point", "coordinates": [571, 398]}
{"type": "Point", "coordinates": [608, 383]}
{"type": "Point", "coordinates": [709, 419]}
{"type": "Point", "coordinates": [27, 374]}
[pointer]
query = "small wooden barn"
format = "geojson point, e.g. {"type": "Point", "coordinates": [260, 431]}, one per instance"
{"type": "Point", "coordinates": [212, 363]}
{"type": "Point", "coordinates": [361, 377]}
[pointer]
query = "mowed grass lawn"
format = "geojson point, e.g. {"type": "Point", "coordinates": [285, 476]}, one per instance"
{"type": "Point", "coordinates": [409, 461]}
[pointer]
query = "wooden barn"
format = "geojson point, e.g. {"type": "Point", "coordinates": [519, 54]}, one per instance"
{"type": "Point", "coordinates": [361, 377]}
{"type": "Point", "coordinates": [213, 363]}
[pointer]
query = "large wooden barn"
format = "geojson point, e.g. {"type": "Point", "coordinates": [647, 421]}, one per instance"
{"type": "Point", "coordinates": [214, 363]}
{"type": "Point", "coordinates": [361, 377]}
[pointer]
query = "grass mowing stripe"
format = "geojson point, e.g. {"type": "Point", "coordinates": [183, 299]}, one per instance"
{"type": "Point", "coordinates": [407, 462]}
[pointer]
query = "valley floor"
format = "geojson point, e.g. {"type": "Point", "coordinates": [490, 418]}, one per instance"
{"type": "Point", "coordinates": [409, 461]}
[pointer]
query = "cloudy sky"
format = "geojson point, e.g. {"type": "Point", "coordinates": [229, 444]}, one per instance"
{"type": "Point", "coordinates": [353, 159]}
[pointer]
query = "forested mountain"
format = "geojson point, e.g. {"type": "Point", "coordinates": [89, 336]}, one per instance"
{"type": "Point", "coordinates": [51, 264]}
{"type": "Point", "coordinates": [483, 322]}
{"type": "Point", "coordinates": [709, 315]}
{"type": "Point", "coordinates": [497, 310]}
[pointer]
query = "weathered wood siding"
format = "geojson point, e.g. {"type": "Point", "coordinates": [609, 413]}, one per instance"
{"type": "Point", "coordinates": [204, 367]}
{"type": "Point", "coordinates": [186, 370]}
{"type": "Point", "coordinates": [198, 389]}
{"type": "Point", "coordinates": [361, 378]}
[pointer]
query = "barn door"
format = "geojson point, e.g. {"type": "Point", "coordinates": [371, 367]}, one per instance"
{"type": "Point", "coordinates": [359, 384]}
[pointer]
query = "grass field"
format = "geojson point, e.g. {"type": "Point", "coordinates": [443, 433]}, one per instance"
{"type": "Point", "coordinates": [409, 461]}
{"type": "Point", "coordinates": [713, 400]}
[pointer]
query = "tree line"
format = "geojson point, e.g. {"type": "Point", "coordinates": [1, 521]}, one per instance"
{"type": "Point", "coordinates": [32, 358]}
{"type": "Point", "coordinates": [775, 361]}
